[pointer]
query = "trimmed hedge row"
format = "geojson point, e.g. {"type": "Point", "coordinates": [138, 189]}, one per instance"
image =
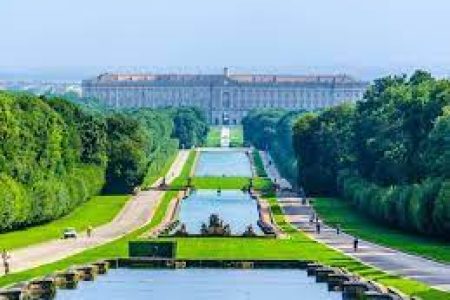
{"type": "Point", "coordinates": [47, 199]}
{"type": "Point", "coordinates": [423, 208]}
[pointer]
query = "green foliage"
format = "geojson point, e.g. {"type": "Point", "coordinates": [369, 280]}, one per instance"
{"type": "Point", "coordinates": [139, 145]}
{"type": "Point", "coordinates": [97, 211]}
{"type": "Point", "coordinates": [190, 126]}
{"type": "Point", "coordinates": [258, 164]}
{"type": "Point", "coordinates": [55, 154]}
{"type": "Point", "coordinates": [387, 154]}
{"type": "Point", "coordinates": [336, 211]}
{"type": "Point", "coordinates": [441, 211]}
{"type": "Point", "coordinates": [271, 130]}
{"type": "Point", "coordinates": [42, 171]}
{"type": "Point", "coordinates": [410, 207]}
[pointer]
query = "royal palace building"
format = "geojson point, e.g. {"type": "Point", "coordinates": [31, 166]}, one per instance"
{"type": "Point", "coordinates": [226, 98]}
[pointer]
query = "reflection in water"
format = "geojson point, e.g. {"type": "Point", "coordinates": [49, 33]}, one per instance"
{"type": "Point", "coordinates": [234, 207]}
{"type": "Point", "coordinates": [223, 163]}
{"type": "Point", "coordinates": [201, 284]}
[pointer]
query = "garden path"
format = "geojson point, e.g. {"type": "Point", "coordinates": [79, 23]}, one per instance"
{"type": "Point", "coordinates": [136, 214]}
{"type": "Point", "coordinates": [392, 261]}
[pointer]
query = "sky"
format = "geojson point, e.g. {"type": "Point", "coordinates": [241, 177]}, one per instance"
{"type": "Point", "coordinates": [294, 36]}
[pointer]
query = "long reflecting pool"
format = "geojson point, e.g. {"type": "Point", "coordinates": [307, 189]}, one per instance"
{"type": "Point", "coordinates": [234, 207]}
{"type": "Point", "coordinates": [199, 284]}
{"type": "Point", "coordinates": [223, 163]}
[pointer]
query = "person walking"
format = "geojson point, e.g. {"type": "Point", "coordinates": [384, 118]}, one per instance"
{"type": "Point", "coordinates": [89, 231]}
{"type": "Point", "coordinates": [338, 229]}
{"type": "Point", "coordinates": [318, 227]}
{"type": "Point", "coordinates": [355, 244]}
{"type": "Point", "coordinates": [5, 258]}
{"type": "Point", "coordinates": [311, 218]}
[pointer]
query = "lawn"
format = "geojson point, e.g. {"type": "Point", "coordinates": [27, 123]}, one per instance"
{"type": "Point", "coordinates": [118, 248]}
{"type": "Point", "coordinates": [114, 249]}
{"type": "Point", "coordinates": [97, 211]}
{"type": "Point", "coordinates": [236, 136]}
{"type": "Point", "coordinates": [297, 246]}
{"type": "Point", "coordinates": [336, 211]}
{"type": "Point", "coordinates": [213, 138]}
{"type": "Point", "coordinates": [225, 183]}
{"type": "Point", "coordinates": [158, 170]}
{"type": "Point", "coordinates": [258, 163]}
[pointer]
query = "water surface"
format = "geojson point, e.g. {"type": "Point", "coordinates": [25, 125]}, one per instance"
{"type": "Point", "coordinates": [230, 163]}
{"type": "Point", "coordinates": [201, 284]}
{"type": "Point", "coordinates": [234, 207]}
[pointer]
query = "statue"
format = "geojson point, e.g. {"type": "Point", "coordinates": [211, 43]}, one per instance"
{"type": "Point", "coordinates": [249, 231]}
{"type": "Point", "coordinates": [182, 231]}
{"type": "Point", "coordinates": [215, 227]}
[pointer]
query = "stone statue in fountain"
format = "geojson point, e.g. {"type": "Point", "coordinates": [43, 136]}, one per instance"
{"type": "Point", "coordinates": [249, 231]}
{"type": "Point", "coordinates": [215, 227]}
{"type": "Point", "coordinates": [182, 231]}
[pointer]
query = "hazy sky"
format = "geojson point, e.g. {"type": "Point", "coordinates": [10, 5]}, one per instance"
{"type": "Point", "coordinates": [207, 34]}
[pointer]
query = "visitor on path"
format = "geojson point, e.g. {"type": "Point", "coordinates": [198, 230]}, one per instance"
{"type": "Point", "coordinates": [311, 218]}
{"type": "Point", "coordinates": [355, 244]}
{"type": "Point", "coordinates": [338, 229]}
{"type": "Point", "coordinates": [89, 231]}
{"type": "Point", "coordinates": [318, 227]}
{"type": "Point", "coordinates": [5, 258]}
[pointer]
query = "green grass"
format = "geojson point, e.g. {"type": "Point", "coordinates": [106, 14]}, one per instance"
{"type": "Point", "coordinates": [213, 138]}
{"type": "Point", "coordinates": [236, 136]}
{"type": "Point", "coordinates": [336, 211]}
{"type": "Point", "coordinates": [225, 183]}
{"type": "Point", "coordinates": [297, 246]}
{"type": "Point", "coordinates": [258, 163]}
{"type": "Point", "coordinates": [117, 248]}
{"type": "Point", "coordinates": [114, 249]}
{"type": "Point", "coordinates": [158, 170]}
{"type": "Point", "coordinates": [97, 211]}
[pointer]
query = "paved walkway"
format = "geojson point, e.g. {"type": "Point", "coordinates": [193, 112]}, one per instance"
{"type": "Point", "coordinates": [136, 213]}
{"type": "Point", "coordinates": [396, 262]}
{"type": "Point", "coordinates": [272, 171]}
{"type": "Point", "coordinates": [392, 261]}
{"type": "Point", "coordinates": [225, 136]}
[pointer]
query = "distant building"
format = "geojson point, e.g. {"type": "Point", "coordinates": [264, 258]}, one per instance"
{"type": "Point", "coordinates": [226, 98]}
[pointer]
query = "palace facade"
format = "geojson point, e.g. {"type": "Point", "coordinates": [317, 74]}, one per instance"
{"type": "Point", "coordinates": [226, 98]}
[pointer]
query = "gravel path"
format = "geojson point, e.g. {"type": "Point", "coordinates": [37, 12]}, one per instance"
{"type": "Point", "coordinates": [136, 214]}
{"type": "Point", "coordinates": [392, 261]}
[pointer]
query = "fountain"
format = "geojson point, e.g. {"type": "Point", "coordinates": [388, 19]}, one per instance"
{"type": "Point", "coordinates": [249, 231]}
{"type": "Point", "coordinates": [215, 227]}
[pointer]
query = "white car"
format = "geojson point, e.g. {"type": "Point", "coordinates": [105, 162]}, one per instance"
{"type": "Point", "coordinates": [70, 232]}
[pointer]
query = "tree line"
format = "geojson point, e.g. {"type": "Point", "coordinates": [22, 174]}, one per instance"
{"type": "Point", "coordinates": [271, 129]}
{"type": "Point", "coordinates": [55, 154]}
{"type": "Point", "coordinates": [389, 154]}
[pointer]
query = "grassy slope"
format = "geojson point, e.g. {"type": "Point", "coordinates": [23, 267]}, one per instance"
{"type": "Point", "coordinates": [236, 136]}
{"type": "Point", "coordinates": [298, 246]}
{"type": "Point", "coordinates": [117, 248]}
{"type": "Point", "coordinates": [97, 211]}
{"type": "Point", "coordinates": [154, 174]}
{"type": "Point", "coordinates": [226, 183]}
{"type": "Point", "coordinates": [213, 138]}
{"type": "Point", "coordinates": [335, 211]}
{"type": "Point", "coordinates": [258, 163]}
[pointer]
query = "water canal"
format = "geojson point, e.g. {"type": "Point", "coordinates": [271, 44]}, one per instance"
{"type": "Point", "coordinates": [201, 284]}
{"type": "Point", "coordinates": [217, 162]}
{"type": "Point", "coordinates": [235, 207]}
